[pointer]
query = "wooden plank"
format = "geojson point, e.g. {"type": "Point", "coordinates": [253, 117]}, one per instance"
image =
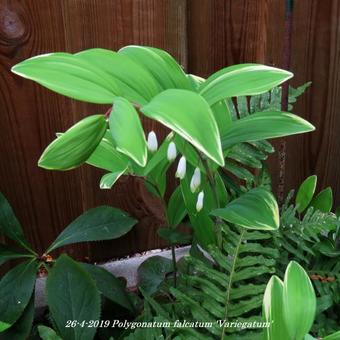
{"type": "Point", "coordinates": [316, 57]}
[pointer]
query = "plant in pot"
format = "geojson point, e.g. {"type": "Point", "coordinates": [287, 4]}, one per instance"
{"type": "Point", "coordinates": [218, 131]}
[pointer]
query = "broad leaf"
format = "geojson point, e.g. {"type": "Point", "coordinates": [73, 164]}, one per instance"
{"type": "Point", "coordinates": [9, 224]}
{"type": "Point", "coordinates": [101, 223]}
{"type": "Point", "coordinates": [135, 81]}
{"type": "Point", "coordinates": [109, 285]}
{"type": "Point", "coordinates": [242, 80]}
{"type": "Point", "coordinates": [16, 288]}
{"type": "Point", "coordinates": [75, 146]}
{"type": "Point", "coordinates": [108, 180]}
{"type": "Point", "coordinates": [190, 116]}
{"type": "Point", "coordinates": [106, 157]}
{"type": "Point", "coordinates": [264, 125]}
{"type": "Point", "coordinates": [127, 131]}
{"type": "Point", "coordinates": [152, 272]}
{"type": "Point", "coordinates": [72, 295]}
{"type": "Point", "coordinates": [8, 253]}
{"type": "Point", "coordinates": [323, 201]}
{"type": "Point", "coordinates": [173, 236]}
{"type": "Point", "coordinates": [299, 301]}
{"type": "Point", "coordinates": [70, 76]}
{"type": "Point", "coordinates": [176, 208]}
{"type": "Point", "coordinates": [22, 327]}
{"type": "Point", "coordinates": [273, 310]}
{"type": "Point", "coordinates": [305, 193]}
{"type": "Point", "coordinates": [160, 64]}
{"type": "Point", "coordinates": [47, 333]}
{"type": "Point", "coordinates": [256, 209]}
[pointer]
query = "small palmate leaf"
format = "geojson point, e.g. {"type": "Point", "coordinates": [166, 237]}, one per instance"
{"type": "Point", "coordinates": [72, 295]}
{"type": "Point", "coordinates": [101, 223]}
{"type": "Point", "coordinates": [188, 114]}
{"type": "Point", "coordinates": [152, 272]}
{"type": "Point", "coordinates": [70, 76]}
{"type": "Point", "coordinates": [16, 288]}
{"type": "Point", "coordinates": [110, 286]}
{"type": "Point", "coordinates": [305, 193]}
{"type": "Point", "coordinates": [299, 301]}
{"type": "Point", "coordinates": [256, 209]}
{"type": "Point", "coordinates": [127, 131]}
{"type": "Point", "coordinates": [264, 125]}
{"type": "Point", "coordinates": [75, 146]}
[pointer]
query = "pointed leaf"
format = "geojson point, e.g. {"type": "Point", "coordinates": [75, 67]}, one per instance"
{"type": "Point", "coordinates": [160, 64]}
{"type": "Point", "coordinates": [264, 125]}
{"type": "Point", "coordinates": [256, 209]}
{"type": "Point", "coordinates": [108, 180]}
{"type": "Point", "coordinates": [176, 208]}
{"type": "Point", "coordinates": [101, 223]}
{"type": "Point", "coordinates": [9, 224]}
{"type": "Point", "coordinates": [136, 82]}
{"type": "Point", "coordinates": [70, 76]}
{"type": "Point", "coordinates": [16, 288]}
{"type": "Point", "coordinates": [273, 310]}
{"type": "Point", "coordinates": [334, 336]}
{"type": "Point", "coordinates": [190, 116]}
{"type": "Point", "coordinates": [299, 301]}
{"type": "Point", "coordinates": [75, 146]}
{"type": "Point", "coordinates": [47, 333]}
{"type": "Point", "coordinates": [305, 193]}
{"type": "Point", "coordinates": [323, 201]}
{"type": "Point", "coordinates": [108, 285]}
{"type": "Point", "coordinates": [242, 80]}
{"type": "Point", "coordinates": [72, 295]}
{"type": "Point", "coordinates": [8, 253]}
{"type": "Point", "coordinates": [127, 132]}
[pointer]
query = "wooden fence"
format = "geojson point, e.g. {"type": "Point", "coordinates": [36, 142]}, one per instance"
{"type": "Point", "coordinates": [203, 35]}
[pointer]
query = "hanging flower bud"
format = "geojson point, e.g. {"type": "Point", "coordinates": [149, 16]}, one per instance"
{"type": "Point", "coordinates": [172, 152]}
{"type": "Point", "coordinates": [152, 141]}
{"type": "Point", "coordinates": [181, 168]}
{"type": "Point", "coordinates": [195, 180]}
{"type": "Point", "coordinates": [199, 204]}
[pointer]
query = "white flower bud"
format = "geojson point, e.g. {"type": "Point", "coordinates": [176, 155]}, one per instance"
{"type": "Point", "coordinates": [195, 180]}
{"type": "Point", "coordinates": [172, 152]}
{"type": "Point", "coordinates": [181, 168]}
{"type": "Point", "coordinates": [199, 204]}
{"type": "Point", "coordinates": [152, 141]}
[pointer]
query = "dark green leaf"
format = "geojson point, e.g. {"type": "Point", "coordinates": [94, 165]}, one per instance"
{"type": "Point", "coordinates": [188, 114]}
{"type": "Point", "coordinates": [9, 225]}
{"type": "Point", "coordinates": [70, 76]}
{"type": "Point", "coordinates": [8, 253]}
{"type": "Point", "coordinates": [22, 327]}
{"type": "Point", "coordinates": [72, 295]}
{"type": "Point", "coordinates": [176, 208]}
{"type": "Point", "coordinates": [127, 131]}
{"type": "Point", "coordinates": [16, 288]}
{"type": "Point", "coordinates": [101, 223]}
{"type": "Point", "coordinates": [75, 146]}
{"type": "Point", "coordinates": [256, 209]}
{"type": "Point", "coordinates": [152, 272]}
{"type": "Point", "coordinates": [305, 193]}
{"type": "Point", "coordinates": [109, 285]}
{"type": "Point", "coordinates": [173, 236]}
{"type": "Point", "coordinates": [264, 125]}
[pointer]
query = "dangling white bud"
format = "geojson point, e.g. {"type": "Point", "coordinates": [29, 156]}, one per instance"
{"type": "Point", "coordinates": [199, 204]}
{"type": "Point", "coordinates": [181, 168]}
{"type": "Point", "coordinates": [195, 180]}
{"type": "Point", "coordinates": [172, 152]}
{"type": "Point", "coordinates": [152, 141]}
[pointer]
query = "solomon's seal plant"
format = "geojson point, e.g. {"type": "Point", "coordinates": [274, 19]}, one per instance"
{"type": "Point", "coordinates": [218, 131]}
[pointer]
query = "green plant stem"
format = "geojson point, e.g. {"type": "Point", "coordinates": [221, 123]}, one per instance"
{"type": "Point", "coordinates": [232, 271]}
